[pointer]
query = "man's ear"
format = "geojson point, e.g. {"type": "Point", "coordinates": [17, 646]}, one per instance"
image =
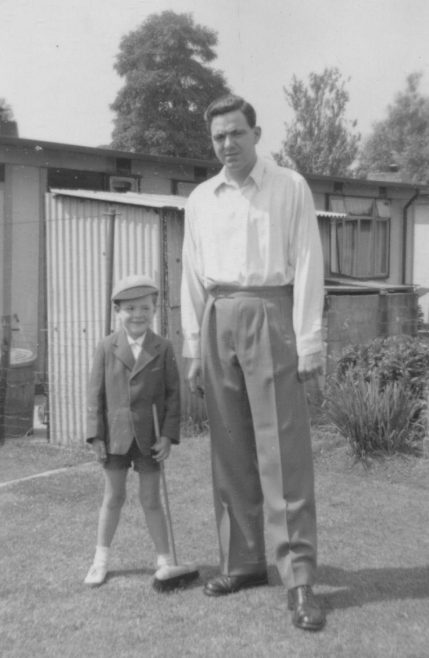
{"type": "Point", "coordinates": [257, 132]}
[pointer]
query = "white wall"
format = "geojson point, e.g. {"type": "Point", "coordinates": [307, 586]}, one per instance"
{"type": "Point", "coordinates": [421, 254]}
{"type": "Point", "coordinates": [22, 214]}
{"type": "Point", "coordinates": [2, 247]}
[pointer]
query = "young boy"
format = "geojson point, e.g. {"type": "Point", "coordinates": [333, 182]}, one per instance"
{"type": "Point", "coordinates": [133, 369]}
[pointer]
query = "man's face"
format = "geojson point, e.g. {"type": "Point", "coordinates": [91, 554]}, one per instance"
{"type": "Point", "coordinates": [234, 142]}
{"type": "Point", "coordinates": [136, 315]}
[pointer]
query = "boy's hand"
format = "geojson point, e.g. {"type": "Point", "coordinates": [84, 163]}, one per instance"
{"type": "Point", "coordinates": [161, 449]}
{"type": "Point", "coordinates": [99, 448]}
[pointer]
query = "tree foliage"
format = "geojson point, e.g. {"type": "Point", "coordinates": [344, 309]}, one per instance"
{"type": "Point", "coordinates": [402, 138]}
{"type": "Point", "coordinates": [319, 139]}
{"type": "Point", "coordinates": [6, 113]}
{"type": "Point", "coordinates": [168, 85]}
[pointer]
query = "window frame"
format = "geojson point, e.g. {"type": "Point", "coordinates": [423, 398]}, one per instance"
{"type": "Point", "coordinates": [350, 226]}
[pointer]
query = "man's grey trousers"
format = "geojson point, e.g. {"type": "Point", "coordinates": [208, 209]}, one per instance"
{"type": "Point", "coordinates": [260, 436]}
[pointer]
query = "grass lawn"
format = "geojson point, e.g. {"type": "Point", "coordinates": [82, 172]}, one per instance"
{"type": "Point", "coordinates": [373, 554]}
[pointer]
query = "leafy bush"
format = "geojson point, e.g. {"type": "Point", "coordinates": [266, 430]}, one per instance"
{"type": "Point", "coordinates": [377, 395]}
{"type": "Point", "coordinates": [375, 420]}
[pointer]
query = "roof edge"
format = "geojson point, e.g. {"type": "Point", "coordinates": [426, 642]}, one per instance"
{"type": "Point", "coordinates": [169, 159]}
{"type": "Point", "coordinates": [98, 150]}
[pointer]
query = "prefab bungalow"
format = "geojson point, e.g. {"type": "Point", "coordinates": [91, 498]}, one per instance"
{"type": "Point", "coordinates": [58, 204]}
{"type": "Point", "coordinates": [374, 236]}
{"type": "Point", "coordinates": [29, 169]}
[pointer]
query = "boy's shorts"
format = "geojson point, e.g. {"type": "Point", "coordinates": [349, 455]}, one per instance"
{"type": "Point", "coordinates": [141, 463]}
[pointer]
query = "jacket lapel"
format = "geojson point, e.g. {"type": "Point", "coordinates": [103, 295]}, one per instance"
{"type": "Point", "coordinates": [149, 351]}
{"type": "Point", "coordinates": [123, 350]}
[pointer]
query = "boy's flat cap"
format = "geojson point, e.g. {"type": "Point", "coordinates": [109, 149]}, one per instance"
{"type": "Point", "coordinates": [131, 287]}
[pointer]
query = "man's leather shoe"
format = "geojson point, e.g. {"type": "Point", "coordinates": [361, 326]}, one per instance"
{"type": "Point", "coordinates": [307, 613]}
{"type": "Point", "coordinates": [222, 584]}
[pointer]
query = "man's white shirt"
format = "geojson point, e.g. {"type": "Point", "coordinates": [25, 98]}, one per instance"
{"type": "Point", "coordinates": [263, 233]}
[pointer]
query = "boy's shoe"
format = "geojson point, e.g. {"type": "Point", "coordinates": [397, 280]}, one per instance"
{"type": "Point", "coordinates": [96, 575]}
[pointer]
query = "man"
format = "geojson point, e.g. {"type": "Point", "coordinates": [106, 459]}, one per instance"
{"type": "Point", "coordinates": [252, 296]}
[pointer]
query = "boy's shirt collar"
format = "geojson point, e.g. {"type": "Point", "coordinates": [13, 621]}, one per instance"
{"type": "Point", "coordinates": [136, 341]}
{"type": "Point", "coordinates": [136, 344]}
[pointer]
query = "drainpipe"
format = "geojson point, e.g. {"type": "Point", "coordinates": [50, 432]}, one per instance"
{"type": "Point", "coordinates": [404, 233]}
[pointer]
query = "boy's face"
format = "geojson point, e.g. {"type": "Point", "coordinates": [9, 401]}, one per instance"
{"type": "Point", "coordinates": [136, 315]}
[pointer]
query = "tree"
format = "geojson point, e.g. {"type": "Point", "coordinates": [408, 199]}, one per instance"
{"type": "Point", "coordinates": [6, 113]}
{"type": "Point", "coordinates": [168, 85]}
{"type": "Point", "coordinates": [402, 138]}
{"type": "Point", "coordinates": [319, 140]}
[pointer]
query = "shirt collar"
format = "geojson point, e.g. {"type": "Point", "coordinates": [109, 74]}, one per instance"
{"type": "Point", "coordinates": [137, 341]}
{"type": "Point", "coordinates": [255, 175]}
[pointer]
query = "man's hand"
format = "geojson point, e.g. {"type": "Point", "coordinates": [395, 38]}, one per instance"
{"type": "Point", "coordinates": [309, 366]}
{"type": "Point", "coordinates": [99, 447]}
{"type": "Point", "coordinates": [194, 377]}
{"type": "Point", "coordinates": [161, 449]}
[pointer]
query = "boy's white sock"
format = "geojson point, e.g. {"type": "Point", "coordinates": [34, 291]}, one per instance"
{"type": "Point", "coordinates": [101, 555]}
{"type": "Point", "coordinates": [164, 560]}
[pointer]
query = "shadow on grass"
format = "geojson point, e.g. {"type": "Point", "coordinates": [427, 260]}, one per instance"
{"type": "Point", "coordinates": [363, 586]}
{"type": "Point", "coordinates": [129, 573]}
{"type": "Point", "coordinates": [351, 588]}
{"type": "Point", "coordinates": [354, 588]}
{"type": "Point", "coordinates": [132, 573]}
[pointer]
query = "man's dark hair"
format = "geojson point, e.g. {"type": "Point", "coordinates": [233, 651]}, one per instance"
{"type": "Point", "coordinates": [230, 103]}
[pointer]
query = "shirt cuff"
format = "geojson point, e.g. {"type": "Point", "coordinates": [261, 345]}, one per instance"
{"type": "Point", "coordinates": [309, 344]}
{"type": "Point", "coordinates": [192, 348]}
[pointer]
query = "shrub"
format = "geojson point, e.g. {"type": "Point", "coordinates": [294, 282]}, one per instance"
{"type": "Point", "coordinates": [377, 395]}
{"type": "Point", "coordinates": [375, 420]}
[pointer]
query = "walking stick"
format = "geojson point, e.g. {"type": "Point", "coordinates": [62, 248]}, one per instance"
{"type": "Point", "coordinates": [170, 577]}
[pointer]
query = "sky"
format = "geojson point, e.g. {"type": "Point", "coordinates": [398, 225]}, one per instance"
{"type": "Point", "coordinates": [57, 57]}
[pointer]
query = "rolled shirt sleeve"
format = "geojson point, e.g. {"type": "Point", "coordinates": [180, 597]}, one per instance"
{"type": "Point", "coordinates": [307, 260]}
{"type": "Point", "coordinates": [193, 292]}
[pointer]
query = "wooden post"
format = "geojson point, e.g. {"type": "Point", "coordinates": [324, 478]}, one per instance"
{"type": "Point", "coordinates": [163, 296]}
{"type": "Point", "coordinates": [110, 252]}
{"type": "Point", "coordinates": [4, 369]}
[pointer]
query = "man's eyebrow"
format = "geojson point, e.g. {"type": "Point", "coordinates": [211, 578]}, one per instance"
{"type": "Point", "coordinates": [234, 131]}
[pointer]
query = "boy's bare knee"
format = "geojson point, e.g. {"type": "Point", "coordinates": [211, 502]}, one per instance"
{"type": "Point", "coordinates": [115, 501]}
{"type": "Point", "coordinates": [151, 503]}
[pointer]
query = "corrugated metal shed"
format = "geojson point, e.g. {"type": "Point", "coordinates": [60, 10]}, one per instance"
{"type": "Point", "coordinates": [78, 226]}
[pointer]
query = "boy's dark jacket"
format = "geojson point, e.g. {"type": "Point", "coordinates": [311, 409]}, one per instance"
{"type": "Point", "coordinates": [121, 393]}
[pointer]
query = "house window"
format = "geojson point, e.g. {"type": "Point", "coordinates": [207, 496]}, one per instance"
{"type": "Point", "coordinates": [123, 165]}
{"type": "Point", "coordinates": [182, 187]}
{"type": "Point", "coordinates": [359, 241]}
{"type": "Point", "coordinates": [200, 173]}
{"type": "Point", "coordinates": [75, 179]}
{"type": "Point", "coordinates": [123, 184]}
